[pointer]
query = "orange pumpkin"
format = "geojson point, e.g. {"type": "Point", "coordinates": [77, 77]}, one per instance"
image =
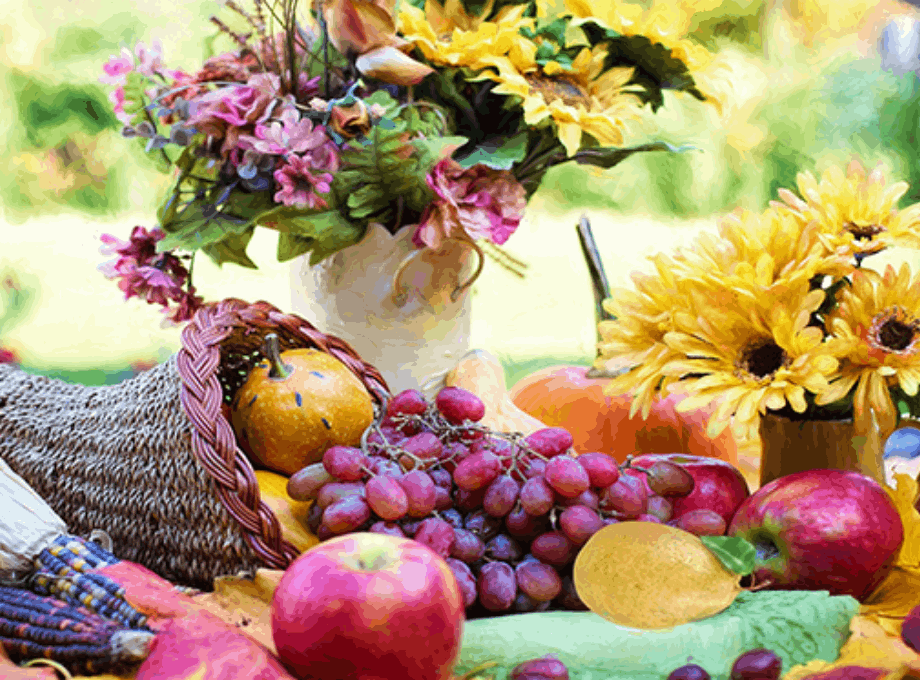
{"type": "Point", "coordinates": [295, 405]}
{"type": "Point", "coordinates": [567, 396]}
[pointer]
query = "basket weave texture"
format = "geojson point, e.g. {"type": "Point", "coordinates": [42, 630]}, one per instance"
{"type": "Point", "coordinates": [153, 461]}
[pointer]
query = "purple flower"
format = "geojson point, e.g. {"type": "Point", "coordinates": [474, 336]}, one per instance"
{"type": "Point", "coordinates": [474, 203]}
{"type": "Point", "coordinates": [300, 183]}
{"type": "Point", "coordinates": [286, 135]}
{"type": "Point", "coordinates": [231, 112]}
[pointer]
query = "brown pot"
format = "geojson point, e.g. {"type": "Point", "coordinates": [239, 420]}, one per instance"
{"type": "Point", "coordinates": [797, 445]}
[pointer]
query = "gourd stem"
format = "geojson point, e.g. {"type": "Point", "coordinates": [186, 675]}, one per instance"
{"type": "Point", "coordinates": [599, 284]}
{"type": "Point", "coordinates": [273, 353]}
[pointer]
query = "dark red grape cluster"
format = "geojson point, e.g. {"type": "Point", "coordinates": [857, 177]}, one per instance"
{"type": "Point", "coordinates": [756, 664]}
{"type": "Point", "coordinates": [508, 512]}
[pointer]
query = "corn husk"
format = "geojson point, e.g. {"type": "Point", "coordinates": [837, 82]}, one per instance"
{"type": "Point", "coordinates": [27, 524]}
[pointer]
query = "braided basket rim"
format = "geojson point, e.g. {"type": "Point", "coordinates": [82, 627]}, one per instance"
{"type": "Point", "coordinates": [213, 441]}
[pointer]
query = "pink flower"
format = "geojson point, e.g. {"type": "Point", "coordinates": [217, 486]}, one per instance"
{"type": "Point", "coordinates": [474, 203]}
{"type": "Point", "coordinates": [286, 135]}
{"type": "Point", "coordinates": [230, 112]}
{"type": "Point", "coordinates": [300, 184]}
{"type": "Point", "coordinates": [8, 356]}
{"type": "Point", "coordinates": [149, 58]}
{"type": "Point", "coordinates": [117, 97]}
{"type": "Point", "coordinates": [117, 68]}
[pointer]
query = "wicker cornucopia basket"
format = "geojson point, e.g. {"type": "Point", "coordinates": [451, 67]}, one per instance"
{"type": "Point", "coordinates": [153, 461]}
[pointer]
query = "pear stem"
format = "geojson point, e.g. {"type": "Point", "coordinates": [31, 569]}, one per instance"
{"type": "Point", "coordinates": [272, 349]}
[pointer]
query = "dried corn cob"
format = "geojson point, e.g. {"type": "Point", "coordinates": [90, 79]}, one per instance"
{"type": "Point", "coordinates": [32, 626]}
{"type": "Point", "coordinates": [64, 570]}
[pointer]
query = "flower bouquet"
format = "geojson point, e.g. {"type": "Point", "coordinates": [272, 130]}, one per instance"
{"type": "Point", "coordinates": [776, 317]}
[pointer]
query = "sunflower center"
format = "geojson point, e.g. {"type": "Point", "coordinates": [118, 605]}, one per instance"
{"type": "Point", "coordinates": [762, 358]}
{"type": "Point", "coordinates": [894, 331]}
{"type": "Point", "coordinates": [863, 232]}
{"type": "Point", "coordinates": [558, 88]}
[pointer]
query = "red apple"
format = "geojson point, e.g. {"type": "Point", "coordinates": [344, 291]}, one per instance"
{"type": "Point", "coordinates": [717, 485]}
{"type": "Point", "coordinates": [821, 530]}
{"type": "Point", "coordinates": [368, 606]}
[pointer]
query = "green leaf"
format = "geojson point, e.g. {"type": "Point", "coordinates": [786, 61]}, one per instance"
{"type": "Point", "coordinates": [320, 233]}
{"type": "Point", "coordinates": [432, 148]}
{"type": "Point", "coordinates": [194, 228]}
{"type": "Point", "coordinates": [384, 99]}
{"type": "Point", "coordinates": [735, 553]}
{"type": "Point", "coordinates": [499, 153]}
{"type": "Point", "coordinates": [608, 157]}
{"type": "Point", "coordinates": [800, 626]}
{"type": "Point", "coordinates": [232, 248]}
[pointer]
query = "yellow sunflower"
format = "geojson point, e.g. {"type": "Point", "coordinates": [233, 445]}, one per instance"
{"type": "Point", "coordinates": [757, 253]}
{"type": "Point", "coordinates": [448, 36]}
{"type": "Point", "coordinates": [853, 210]}
{"type": "Point", "coordinates": [749, 357]}
{"type": "Point", "coordinates": [636, 338]}
{"type": "Point", "coordinates": [879, 316]}
{"type": "Point", "coordinates": [582, 98]}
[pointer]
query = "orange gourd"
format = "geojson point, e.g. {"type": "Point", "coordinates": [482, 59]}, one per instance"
{"type": "Point", "coordinates": [296, 404]}
{"type": "Point", "coordinates": [292, 515]}
{"type": "Point", "coordinates": [573, 397]}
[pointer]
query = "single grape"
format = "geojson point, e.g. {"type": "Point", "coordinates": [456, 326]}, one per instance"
{"type": "Point", "coordinates": [536, 496]}
{"type": "Point", "coordinates": [504, 548]}
{"type": "Point", "coordinates": [465, 580]}
{"type": "Point", "coordinates": [425, 446]}
{"type": "Point", "coordinates": [496, 586]}
{"type": "Point", "coordinates": [324, 533]}
{"type": "Point", "coordinates": [701, 522]}
{"type": "Point", "coordinates": [468, 547]}
{"type": "Point", "coordinates": [624, 498]}
{"type": "Point", "coordinates": [385, 466]}
{"type": "Point", "coordinates": [550, 441]}
{"type": "Point", "coordinates": [501, 496]}
{"type": "Point", "coordinates": [335, 491]}
{"type": "Point", "coordinates": [468, 501]}
{"type": "Point", "coordinates": [757, 664]}
{"type": "Point", "coordinates": [453, 454]}
{"type": "Point", "coordinates": [453, 517]}
{"type": "Point", "coordinates": [420, 492]}
{"type": "Point", "coordinates": [649, 518]}
{"type": "Point", "coordinates": [602, 469]}
{"type": "Point", "coordinates": [553, 548]}
{"type": "Point", "coordinates": [568, 598]}
{"type": "Point", "coordinates": [477, 471]}
{"type": "Point", "coordinates": [387, 528]}
{"type": "Point", "coordinates": [610, 520]}
{"type": "Point", "coordinates": [483, 524]}
{"type": "Point", "coordinates": [410, 526]}
{"type": "Point", "coordinates": [386, 497]}
{"type": "Point", "coordinates": [566, 476]}
{"type": "Point", "coordinates": [689, 672]}
{"type": "Point", "coordinates": [660, 507]}
{"type": "Point", "coordinates": [538, 580]}
{"type": "Point", "coordinates": [436, 534]}
{"type": "Point", "coordinates": [667, 479]}
{"type": "Point", "coordinates": [534, 468]}
{"type": "Point", "coordinates": [346, 514]}
{"type": "Point", "coordinates": [588, 499]}
{"type": "Point", "coordinates": [314, 517]}
{"type": "Point", "coordinates": [548, 667]}
{"type": "Point", "coordinates": [910, 629]}
{"type": "Point", "coordinates": [458, 405]}
{"type": "Point", "coordinates": [903, 443]}
{"type": "Point", "coordinates": [441, 477]}
{"type": "Point", "coordinates": [524, 604]}
{"type": "Point", "coordinates": [579, 523]}
{"type": "Point", "coordinates": [407, 402]}
{"type": "Point", "coordinates": [305, 484]}
{"type": "Point", "coordinates": [442, 498]}
{"type": "Point", "coordinates": [523, 526]}
{"type": "Point", "coordinates": [346, 463]}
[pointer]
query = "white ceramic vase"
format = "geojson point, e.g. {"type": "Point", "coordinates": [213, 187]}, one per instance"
{"type": "Point", "coordinates": [405, 311]}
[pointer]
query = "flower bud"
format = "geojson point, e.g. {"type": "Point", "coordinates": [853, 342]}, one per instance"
{"type": "Point", "coordinates": [392, 66]}
{"type": "Point", "coordinates": [351, 120]}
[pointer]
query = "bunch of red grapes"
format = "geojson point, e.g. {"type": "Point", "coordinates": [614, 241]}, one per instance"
{"type": "Point", "coordinates": [508, 512]}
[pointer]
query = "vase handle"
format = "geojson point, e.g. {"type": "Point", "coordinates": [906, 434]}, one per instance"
{"type": "Point", "coordinates": [401, 297]}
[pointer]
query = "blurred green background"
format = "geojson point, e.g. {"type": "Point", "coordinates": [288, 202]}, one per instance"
{"type": "Point", "coordinates": [809, 81]}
